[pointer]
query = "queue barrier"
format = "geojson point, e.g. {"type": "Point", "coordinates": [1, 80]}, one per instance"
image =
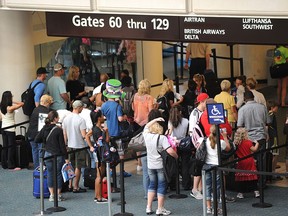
{"type": "Point", "coordinates": [222, 168]}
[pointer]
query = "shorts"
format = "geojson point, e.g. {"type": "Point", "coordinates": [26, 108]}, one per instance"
{"type": "Point", "coordinates": [78, 159]}
{"type": "Point", "coordinates": [196, 167]}
{"type": "Point", "coordinates": [120, 146]}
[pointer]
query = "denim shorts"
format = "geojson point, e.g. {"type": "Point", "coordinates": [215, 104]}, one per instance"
{"type": "Point", "coordinates": [208, 180]}
{"type": "Point", "coordinates": [157, 181]}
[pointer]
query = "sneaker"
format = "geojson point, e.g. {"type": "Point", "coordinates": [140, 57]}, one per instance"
{"type": "Point", "coordinates": [101, 201]}
{"type": "Point", "coordinates": [196, 194]}
{"type": "Point", "coordinates": [240, 196]}
{"type": "Point", "coordinates": [209, 210]}
{"type": "Point", "coordinates": [51, 198]}
{"type": "Point", "coordinates": [219, 211]}
{"type": "Point", "coordinates": [60, 198]}
{"type": "Point", "coordinates": [149, 211]}
{"type": "Point", "coordinates": [163, 211]}
{"type": "Point", "coordinates": [256, 194]}
{"type": "Point", "coordinates": [126, 174]}
{"type": "Point", "coordinates": [139, 168]}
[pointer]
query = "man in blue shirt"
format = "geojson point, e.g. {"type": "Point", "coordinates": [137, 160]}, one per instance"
{"type": "Point", "coordinates": [114, 114]}
{"type": "Point", "coordinates": [40, 88]}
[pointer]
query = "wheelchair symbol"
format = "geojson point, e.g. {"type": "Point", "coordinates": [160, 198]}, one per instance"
{"type": "Point", "coordinates": [215, 111]}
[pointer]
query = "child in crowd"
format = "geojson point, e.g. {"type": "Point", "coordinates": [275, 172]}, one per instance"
{"type": "Point", "coordinates": [272, 107]}
{"type": "Point", "coordinates": [245, 181]}
{"type": "Point", "coordinates": [99, 133]}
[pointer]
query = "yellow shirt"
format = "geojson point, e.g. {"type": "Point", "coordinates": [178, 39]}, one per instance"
{"type": "Point", "coordinates": [228, 102]}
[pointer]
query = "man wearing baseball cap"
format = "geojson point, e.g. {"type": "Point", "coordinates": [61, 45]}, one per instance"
{"type": "Point", "coordinates": [39, 85]}
{"type": "Point", "coordinates": [57, 89]}
{"type": "Point", "coordinates": [74, 129]}
{"type": "Point", "coordinates": [194, 120]}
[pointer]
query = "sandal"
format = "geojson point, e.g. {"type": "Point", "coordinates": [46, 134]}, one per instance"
{"type": "Point", "coordinates": [79, 190]}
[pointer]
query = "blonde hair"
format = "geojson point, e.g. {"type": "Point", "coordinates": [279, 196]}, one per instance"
{"type": "Point", "coordinates": [225, 85]}
{"type": "Point", "coordinates": [251, 83]}
{"type": "Point", "coordinates": [212, 136]}
{"type": "Point", "coordinates": [144, 87]}
{"type": "Point", "coordinates": [46, 100]}
{"type": "Point", "coordinates": [72, 71]}
{"type": "Point", "coordinates": [240, 135]}
{"type": "Point", "coordinates": [201, 78]}
{"type": "Point", "coordinates": [167, 86]}
{"type": "Point", "coordinates": [156, 128]}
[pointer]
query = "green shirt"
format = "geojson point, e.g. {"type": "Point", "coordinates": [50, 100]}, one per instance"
{"type": "Point", "coordinates": [280, 55]}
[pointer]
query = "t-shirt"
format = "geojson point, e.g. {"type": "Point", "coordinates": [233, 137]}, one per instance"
{"type": "Point", "coordinates": [56, 87]}
{"type": "Point", "coordinates": [154, 160]}
{"type": "Point", "coordinates": [259, 97]}
{"type": "Point", "coordinates": [212, 155]}
{"type": "Point", "coordinates": [194, 118]}
{"type": "Point", "coordinates": [228, 102]}
{"type": "Point", "coordinates": [97, 89]}
{"type": "Point", "coordinates": [142, 105]}
{"type": "Point", "coordinates": [198, 50]}
{"type": "Point", "coordinates": [112, 110]}
{"type": "Point", "coordinates": [74, 87]}
{"type": "Point", "coordinates": [38, 90]}
{"type": "Point", "coordinates": [181, 131]}
{"type": "Point", "coordinates": [85, 114]}
{"type": "Point", "coordinates": [73, 125]}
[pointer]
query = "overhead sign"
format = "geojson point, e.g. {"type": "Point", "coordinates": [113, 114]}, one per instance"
{"type": "Point", "coordinates": [172, 28]}
{"type": "Point", "coordinates": [216, 114]}
{"type": "Point", "coordinates": [112, 26]}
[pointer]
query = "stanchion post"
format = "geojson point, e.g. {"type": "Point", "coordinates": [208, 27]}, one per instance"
{"type": "Point", "coordinates": [204, 192]}
{"type": "Point", "coordinates": [261, 204]}
{"type": "Point", "coordinates": [42, 211]}
{"type": "Point", "coordinates": [56, 208]}
{"type": "Point", "coordinates": [214, 186]}
{"type": "Point", "coordinates": [114, 177]}
{"type": "Point", "coordinates": [109, 188]}
{"type": "Point", "coordinates": [177, 195]}
{"type": "Point", "coordinates": [123, 213]}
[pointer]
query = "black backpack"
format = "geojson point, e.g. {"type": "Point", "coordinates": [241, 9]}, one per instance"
{"type": "Point", "coordinates": [164, 106]}
{"type": "Point", "coordinates": [27, 98]}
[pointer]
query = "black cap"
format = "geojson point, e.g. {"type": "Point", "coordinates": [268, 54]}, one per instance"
{"type": "Point", "coordinates": [42, 70]}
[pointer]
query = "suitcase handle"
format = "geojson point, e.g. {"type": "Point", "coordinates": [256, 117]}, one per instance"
{"type": "Point", "coordinates": [23, 128]}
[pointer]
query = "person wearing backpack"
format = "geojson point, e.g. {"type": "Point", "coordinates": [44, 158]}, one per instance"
{"type": "Point", "coordinates": [197, 134]}
{"type": "Point", "coordinates": [156, 142]}
{"type": "Point", "coordinates": [127, 100]}
{"type": "Point", "coordinates": [31, 97]}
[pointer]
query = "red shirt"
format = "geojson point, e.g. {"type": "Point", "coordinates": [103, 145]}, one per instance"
{"type": "Point", "coordinates": [206, 125]}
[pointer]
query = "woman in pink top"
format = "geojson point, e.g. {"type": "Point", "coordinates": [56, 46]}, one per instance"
{"type": "Point", "coordinates": [142, 103]}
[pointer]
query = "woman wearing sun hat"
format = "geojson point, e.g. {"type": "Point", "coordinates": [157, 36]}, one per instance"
{"type": "Point", "coordinates": [114, 114]}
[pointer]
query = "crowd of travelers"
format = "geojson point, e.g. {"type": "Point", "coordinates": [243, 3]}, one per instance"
{"type": "Point", "coordinates": [74, 120]}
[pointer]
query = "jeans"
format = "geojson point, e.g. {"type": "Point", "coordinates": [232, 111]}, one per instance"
{"type": "Point", "coordinates": [146, 180]}
{"type": "Point", "coordinates": [157, 181]}
{"type": "Point", "coordinates": [209, 182]}
{"type": "Point", "coordinates": [9, 150]}
{"type": "Point", "coordinates": [50, 170]}
{"type": "Point", "coordinates": [36, 151]}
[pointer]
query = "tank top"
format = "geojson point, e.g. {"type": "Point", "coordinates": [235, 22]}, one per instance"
{"type": "Point", "coordinates": [7, 120]}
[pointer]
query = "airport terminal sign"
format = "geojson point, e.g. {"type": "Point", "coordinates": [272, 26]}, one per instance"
{"type": "Point", "coordinates": [112, 26]}
{"type": "Point", "coordinates": [172, 28]}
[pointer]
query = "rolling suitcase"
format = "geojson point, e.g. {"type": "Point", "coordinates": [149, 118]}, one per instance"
{"type": "Point", "coordinates": [89, 177]}
{"type": "Point", "coordinates": [104, 188]}
{"type": "Point", "coordinates": [36, 183]}
{"type": "Point", "coordinates": [23, 149]}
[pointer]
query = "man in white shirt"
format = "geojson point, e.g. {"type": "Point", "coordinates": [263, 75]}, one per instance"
{"type": "Point", "coordinates": [74, 129]}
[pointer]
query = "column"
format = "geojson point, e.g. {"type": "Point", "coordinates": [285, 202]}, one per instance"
{"type": "Point", "coordinates": [16, 54]}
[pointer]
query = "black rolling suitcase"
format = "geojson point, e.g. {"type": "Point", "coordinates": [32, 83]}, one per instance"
{"type": "Point", "coordinates": [23, 149]}
{"type": "Point", "coordinates": [89, 177]}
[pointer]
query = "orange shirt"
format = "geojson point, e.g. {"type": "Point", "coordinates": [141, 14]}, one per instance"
{"type": "Point", "coordinates": [142, 105]}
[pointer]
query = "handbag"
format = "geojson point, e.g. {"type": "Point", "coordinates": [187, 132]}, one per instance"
{"type": "Point", "coordinates": [279, 71]}
{"type": "Point", "coordinates": [201, 152]}
{"type": "Point", "coordinates": [137, 143]}
{"type": "Point", "coordinates": [126, 129]}
{"type": "Point", "coordinates": [109, 154]}
{"type": "Point", "coordinates": [67, 172]}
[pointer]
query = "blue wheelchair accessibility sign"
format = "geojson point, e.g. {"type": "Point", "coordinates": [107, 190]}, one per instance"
{"type": "Point", "coordinates": [216, 114]}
